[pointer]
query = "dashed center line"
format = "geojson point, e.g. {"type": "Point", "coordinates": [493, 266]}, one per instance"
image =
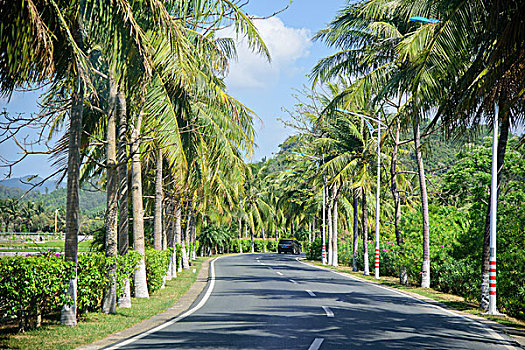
{"type": "Point", "coordinates": [294, 282]}
{"type": "Point", "coordinates": [279, 273]}
{"type": "Point", "coordinates": [312, 294]}
{"type": "Point", "coordinates": [316, 344]}
{"type": "Point", "coordinates": [329, 312]}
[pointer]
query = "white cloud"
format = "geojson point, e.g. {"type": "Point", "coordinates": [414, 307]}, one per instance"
{"type": "Point", "coordinates": [286, 46]}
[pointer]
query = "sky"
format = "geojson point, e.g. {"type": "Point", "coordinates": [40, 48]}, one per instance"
{"type": "Point", "coordinates": [264, 87]}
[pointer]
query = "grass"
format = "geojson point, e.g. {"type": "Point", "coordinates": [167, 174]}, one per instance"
{"type": "Point", "coordinates": [34, 246]}
{"type": "Point", "coordinates": [94, 326]}
{"type": "Point", "coordinates": [451, 300]}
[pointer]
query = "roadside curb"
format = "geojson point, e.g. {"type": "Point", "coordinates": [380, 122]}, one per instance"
{"type": "Point", "coordinates": [515, 335]}
{"type": "Point", "coordinates": [183, 304]}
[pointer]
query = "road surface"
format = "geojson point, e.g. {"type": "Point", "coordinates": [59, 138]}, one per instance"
{"type": "Point", "coordinates": [271, 301]}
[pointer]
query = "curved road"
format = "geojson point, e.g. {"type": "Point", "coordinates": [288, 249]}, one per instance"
{"type": "Point", "coordinates": [271, 301]}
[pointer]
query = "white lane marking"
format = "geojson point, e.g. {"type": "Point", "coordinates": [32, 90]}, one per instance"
{"type": "Point", "coordinates": [279, 273]}
{"type": "Point", "coordinates": [312, 294]}
{"type": "Point", "coordinates": [180, 317]}
{"type": "Point", "coordinates": [507, 344]}
{"type": "Point", "coordinates": [316, 344]}
{"type": "Point", "coordinates": [329, 312]}
{"type": "Point", "coordinates": [294, 282]}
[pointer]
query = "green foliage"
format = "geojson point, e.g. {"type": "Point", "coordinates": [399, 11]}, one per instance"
{"type": "Point", "coordinates": [214, 239]}
{"type": "Point", "coordinates": [31, 285]}
{"type": "Point", "coordinates": [157, 263]}
{"type": "Point", "coordinates": [38, 284]}
{"type": "Point", "coordinates": [271, 245]}
{"type": "Point", "coordinates": [315, 250]}
{"type": "Point", "coordinates": [236, 244]}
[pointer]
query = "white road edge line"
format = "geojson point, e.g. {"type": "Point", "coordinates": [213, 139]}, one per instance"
{"type": "Point", "coordinates": [279, 273]}
{"type": "Point", "coordinates": [316, 344]}
{"type": "Point", "coordinates": [178, 318]}
{"type": "Point", "coordinates": [329, 312]}
{"type": "Point", "coordinates": [452, 313]}
{"type": "Point", "coordinates": [312, 294]}
{"type": "Point", "coordinates": [294, 282]}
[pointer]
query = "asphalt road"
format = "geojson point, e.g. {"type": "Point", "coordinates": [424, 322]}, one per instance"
{"type": "Point", "coordinates": [271, 301]}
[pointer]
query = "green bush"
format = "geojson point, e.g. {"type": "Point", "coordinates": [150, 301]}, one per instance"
{"type": "Point", "coordinates": [38, 284]}
{"type": "Point", "coordinates": [157, 263]}
{"type": "Point", "coordinates": [31, 286]}
{"type": "Point", "coordinates": [259, 245]}
{"type": "Point", "coordinates": [271, 245]}
{"type": "Point", "coordinates": [93, 279]}
{"type": "Point", "coordinates": [315, 250]}
{"type": "Point", "coordinates": [235, 244]}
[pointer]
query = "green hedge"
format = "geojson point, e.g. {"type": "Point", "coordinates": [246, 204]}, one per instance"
{"type": "Point", "coordinates": [32, 285]}
{"type": "Point", "coordinates": [157, 263]}
{"type": "Point", "coordinates": [36, 285]}
{"type": "Point", "coordinates": [259, 245]}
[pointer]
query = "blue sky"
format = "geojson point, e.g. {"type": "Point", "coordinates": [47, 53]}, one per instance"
{"type": "Point", "coordinates": [264, 87]}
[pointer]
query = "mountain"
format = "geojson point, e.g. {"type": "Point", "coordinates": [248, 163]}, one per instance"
{"type": "Point", "coordinates": [26, 182]}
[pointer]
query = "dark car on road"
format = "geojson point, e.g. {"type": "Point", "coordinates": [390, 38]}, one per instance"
{"type": "Point", "coordinates": [289, 245]}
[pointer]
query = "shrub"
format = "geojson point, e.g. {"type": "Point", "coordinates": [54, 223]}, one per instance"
{"type": "Point", "coordinates": [271, 245]}
{"type": "Point", "coordinates": [32, 286]}
{"type": "Point", "coordinates": [259, 245]}
{"type": "Point", "coordinates": [36, 285]}
{"type": "Point", "coordinates": [157, 263]}
{"type": "Point", "coordinates": [315, 250]}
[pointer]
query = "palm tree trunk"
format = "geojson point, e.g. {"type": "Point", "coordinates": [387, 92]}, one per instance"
{"type": "Point", "coordinates": [178, 228]}
{"type": "Point", "coordinates": [365, 232]}
{"type": "Point", "coordinates": [68, 315]}
{"type": "Point", "coordinates": [186, 241]}
{"type": "Point", "coordinates": [124, 299]}
{"type": "Point", "coordinates": [251, 236]}
{"type": "Point", "coordinates": [335, 259]}
{"type": "Point", "coordinates": [193, 231]}
{"type": "Point", "coordinates": [157, 220]}
{"type": "Point", "coordinates": [109, 303]}
{"type": "Point", "coordinates": [485, 258]}
{"type": "Point", "coordinates": [240, 235]}
{"type": "Point", "coordinates": [403, 277]}
{"type": "Point", "coordinates": [170, 243]}
{"type": "Point", "coordinates": [264, 239]}
{"type": "Point", "coordinates": [356, 230]}
{"type": "Point", "coordinates": [425, 270]}
{"type": "Point", "coordinates": [141, 286]}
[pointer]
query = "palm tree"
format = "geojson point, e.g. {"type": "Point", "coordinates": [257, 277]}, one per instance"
{"type": "Point", "coordinates": [372, 31]}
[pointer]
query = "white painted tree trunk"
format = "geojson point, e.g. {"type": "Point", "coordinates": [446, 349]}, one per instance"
{"type": "Point", "coordinates": [140, 282]}
{"type": "Point", "coordinates": [425, 270]}
{"type": "Point", "coordinates": [109, 302]}
{"type": "Point", "coordinates": [141, 290]}
{"type": "Point", "coordinates": [335, 258]}
{"type": "Point", "coordinates": [124, 299]}
{"type": "Point", "coordinates": [68, 314]}
{"type": "Point", "coordinates": [178, 229]}
{"type": "Point", "coordinates": [355, 200]}
{"type": "Point", "coordinates": [365, 234]}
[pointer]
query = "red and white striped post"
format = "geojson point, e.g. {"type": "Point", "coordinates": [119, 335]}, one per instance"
{"type": "Point", "coordinates": [493, 310]}
{"type": "Point", "coordinates": [324, 254]}
{"type": "Point", "coordinates": [377, 262]}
